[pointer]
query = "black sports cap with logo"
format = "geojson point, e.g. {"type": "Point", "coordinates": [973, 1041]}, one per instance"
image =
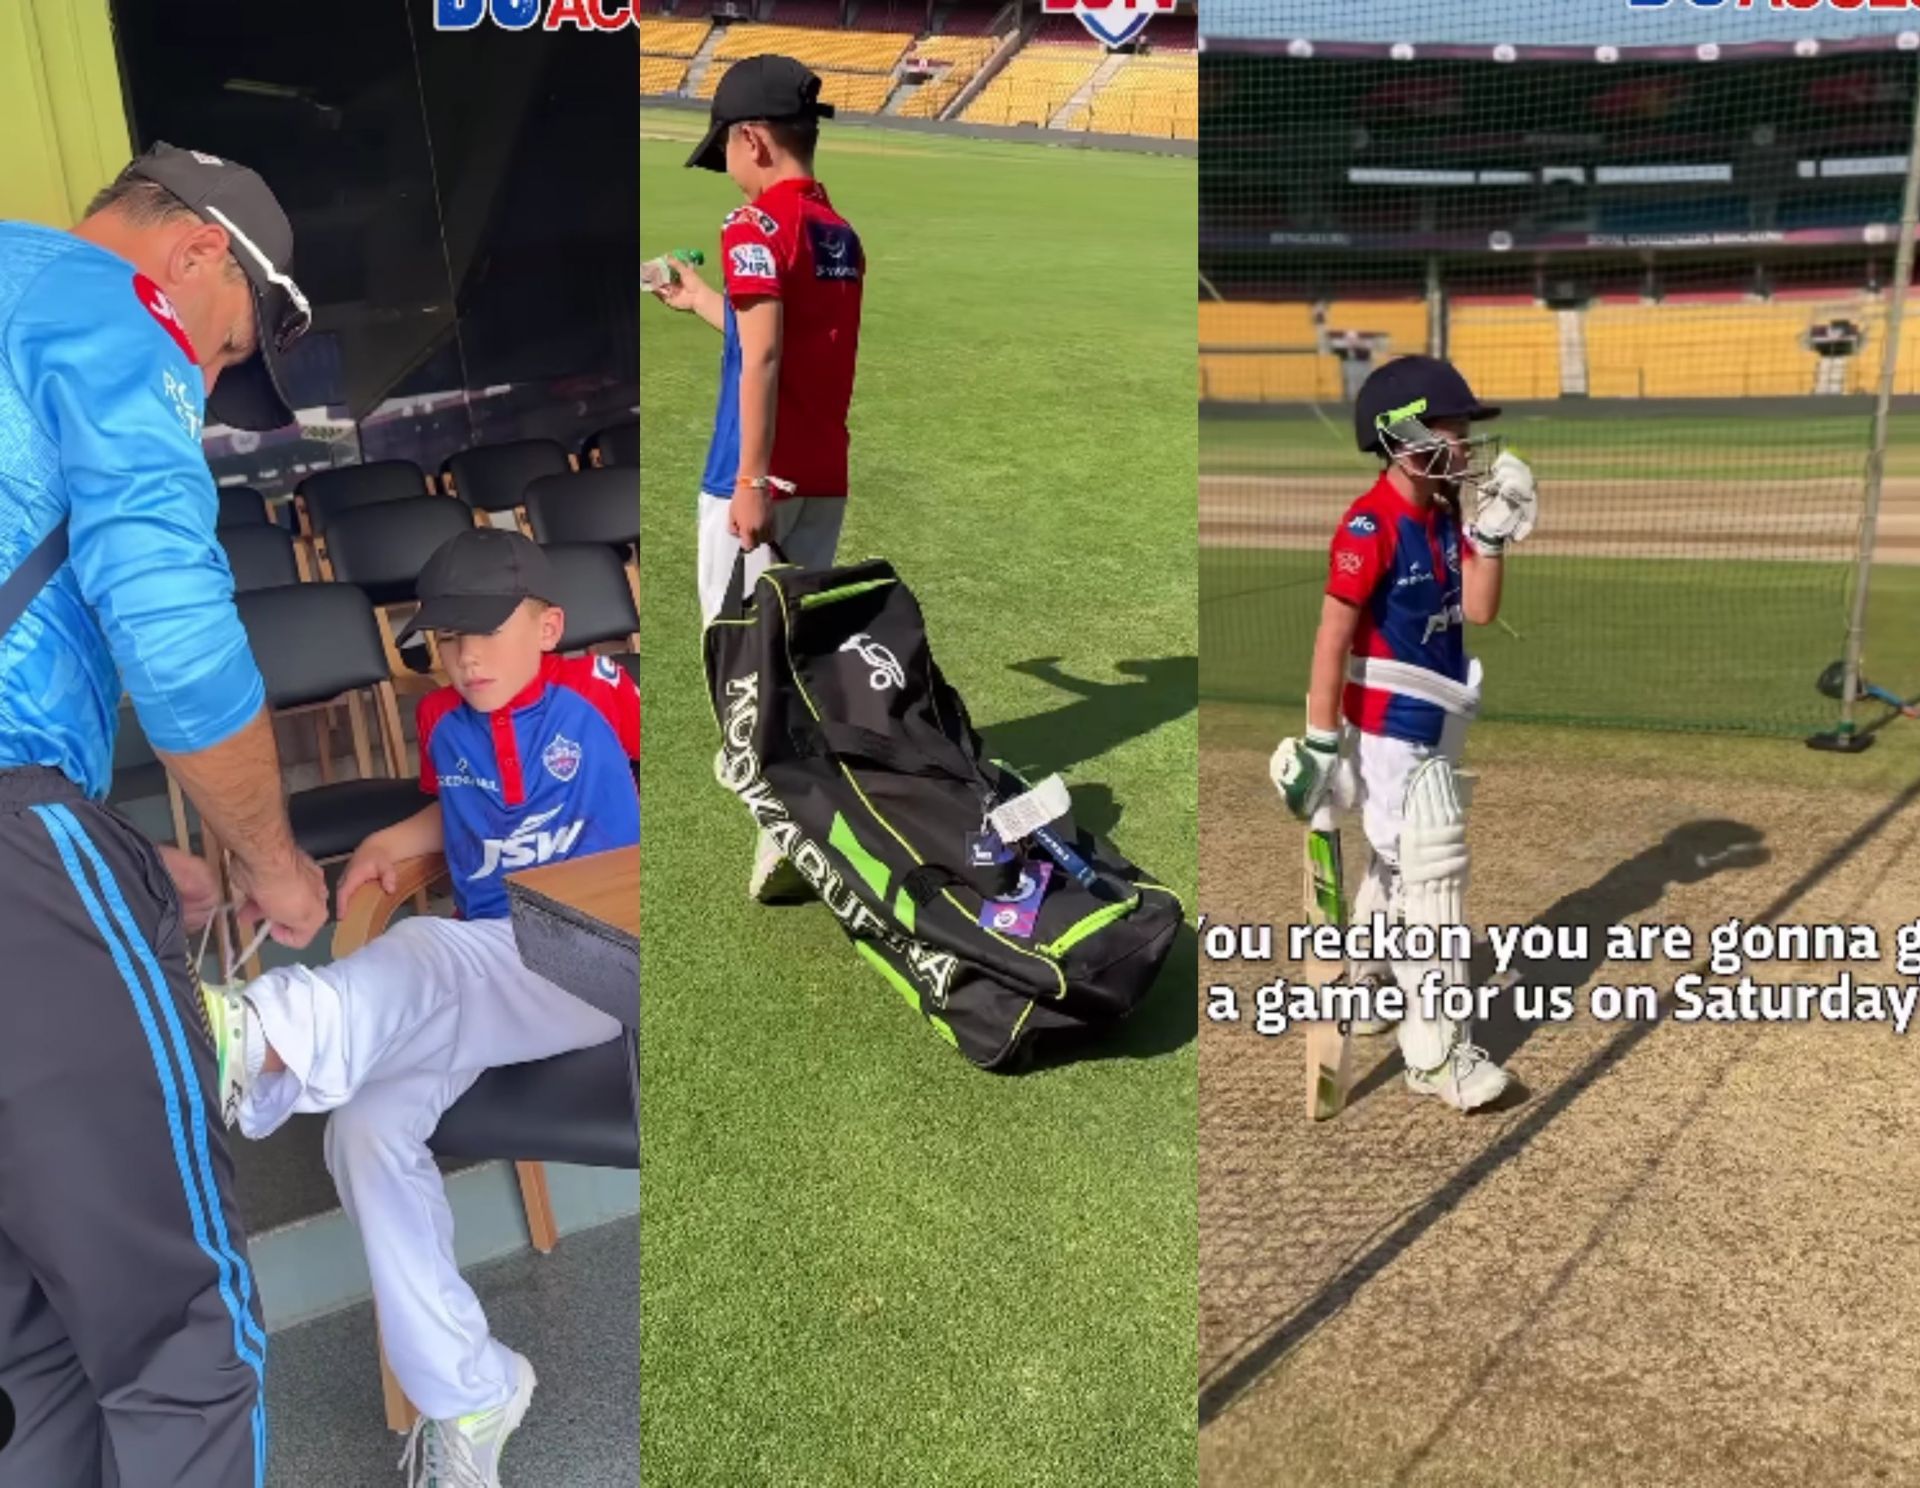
{"type": "Point", "coordinates": [247, 396]}
{"type": "Point", "coordinates": [1413, 387]}
{"type": "Point", "coordinates": [475, 580]}
{"type": "Point", "coordinates": [770, 87]}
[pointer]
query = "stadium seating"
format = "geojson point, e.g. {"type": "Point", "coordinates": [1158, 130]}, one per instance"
{"type": "Point", "coordinates": [1264, 353]}
{"type": "Point", "coordinates": [659, 75]}
{"type": "Point", "coordinates": [668, 36]}
{"type": "Point", "coordinates": [963, 55]}
{"type": "Point", "coordinates": [1402, 322]}
{"type": "Point", "coordinates": [1506, 351]}
{"type": "Point", "coordinates": [837, 51]}
{"type": "Point", "coordinates": [1717, 350]}
{"type": "Point", "coordinates": [1149, 95]}
{"type": "Point", "coordinates": [1036, 84]}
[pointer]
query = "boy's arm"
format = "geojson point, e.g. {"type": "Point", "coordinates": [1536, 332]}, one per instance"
{"type": "Point", "coordinates": [760, 324]}
{"type": "Point", "coordinates": [1331, 643]}
{"type": "Point", "coordinates": [689, 291]}
{"type": "Point", "coordinates": [376, 858]}
{"type": "Point", "coordinates": [1480, 586]}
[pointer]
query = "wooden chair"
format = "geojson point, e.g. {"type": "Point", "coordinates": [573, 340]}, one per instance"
{"type": "Point", "coordinates": [575, 1108]}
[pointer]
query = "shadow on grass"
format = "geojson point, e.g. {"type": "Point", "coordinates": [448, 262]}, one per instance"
{"type": "Point", "coordinates": [1102, 715]}
{"type": "Point", "coordinates": [1166, 1021]}
{"type": "Point", "coordinates": [1688, 854]}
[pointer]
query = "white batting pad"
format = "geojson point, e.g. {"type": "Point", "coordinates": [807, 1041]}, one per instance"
{"type": "Point", "coordinates": [1433, 892]}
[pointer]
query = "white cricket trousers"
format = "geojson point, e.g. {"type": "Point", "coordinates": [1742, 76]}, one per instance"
{"type": "Point", "coordinates": [386, 1039]}
{"type": "Point", "coordinates": [806, 527]}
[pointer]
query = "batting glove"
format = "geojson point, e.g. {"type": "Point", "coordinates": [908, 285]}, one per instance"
{"type": "Point", "coordinates": [1509, 505]}
{"type": "Point", "coordinates": [1302, 770]}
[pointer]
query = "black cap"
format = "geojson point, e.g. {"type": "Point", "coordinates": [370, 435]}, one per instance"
{"type": "Point", "coordinates": [475, 580]}
{"type": "Point", "coordinates": [769, 87]}
{"type": "Point", "coordinates": [1421, 387]}
{"type": "Point", "coordinates": [247, 396]}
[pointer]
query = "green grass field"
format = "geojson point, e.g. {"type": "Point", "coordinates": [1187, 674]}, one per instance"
{"type": "Point", "coordinates": [864, 1262]}
{"type": "Point", "coordinates": [1730, 644]}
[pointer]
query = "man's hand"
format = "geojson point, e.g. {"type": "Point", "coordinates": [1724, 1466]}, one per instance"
{"type": "Point", "coordinates": [372, 862]}
{"type": "Point", "coordinates": [292, 899]}
{"type": "Point", "coordinates": [196, 884]}
{"type": "Point", "coordinates": [750, 516]}
{"type": "Point", "coordinates": [1302, 770]}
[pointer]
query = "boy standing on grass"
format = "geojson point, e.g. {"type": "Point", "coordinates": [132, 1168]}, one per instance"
{"type": "Point", "coordinates": [1410, 566]}
{"type": "Point", "coordinates": [790, 318]}
{"type": "Point", "coordinates": [527, 756]}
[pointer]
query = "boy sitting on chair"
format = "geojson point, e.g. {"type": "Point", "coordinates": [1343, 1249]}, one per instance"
{"type": "Point", "coordinates": [528, 756]}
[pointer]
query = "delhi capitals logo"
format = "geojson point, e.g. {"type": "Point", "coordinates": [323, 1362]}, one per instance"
{"type": "Point", "coordinates": [562, 758]}
{"type": "Point", "coordinates": [1113, 22]}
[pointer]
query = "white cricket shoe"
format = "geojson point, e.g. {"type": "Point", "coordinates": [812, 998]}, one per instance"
{"type": "Point", "coordinates": [775, 880]}
{"type": "Point", "coordinates": [465, 1453]}
{"type": "Point", "coordinates": [1468, 1079]}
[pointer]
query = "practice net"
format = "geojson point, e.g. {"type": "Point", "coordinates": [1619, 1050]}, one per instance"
{"type": "Point", "coordinates": [1664, 241]}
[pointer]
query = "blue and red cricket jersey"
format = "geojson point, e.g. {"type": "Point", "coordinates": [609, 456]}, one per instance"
{"type": "Point", "coordinates": [1400, 567]}
{"type": "Point", "coordinates": [547, 777]}
{"type": "Point", "coordinates": [789, 244]}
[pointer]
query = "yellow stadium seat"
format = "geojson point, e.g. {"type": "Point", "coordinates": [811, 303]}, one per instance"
{"type": "Point", "coordinates": [840, 51]}
{"type": "Point", "coordinates": [1035, 85]}
{"type": "Point", "coordinates": [964, 56]}
{"type": "Point", "coordinates": [1149, 95]}
{"type": "Point", "coordinates": [1505, 351]}
{"type": "Point", "coordinates": [662, 36]}
{"type": "Point", "coordinates": [660, 75]}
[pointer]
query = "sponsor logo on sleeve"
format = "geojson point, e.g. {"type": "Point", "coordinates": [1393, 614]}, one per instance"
{"type": "Point", "coordinates": [753, 216]}
{"type": "Point", "coordinates": [1362, 525]}
{"type": "Point", "coordinates": [184, 402]}
{"type": "Point", "coordinates": [752, 261]}
{"type": "Point", "coordinates": [1347, 563]}
{"type": "Point", "coordinates": [836, 251]}
{"type": "Point", "coordinates": [154, 299]}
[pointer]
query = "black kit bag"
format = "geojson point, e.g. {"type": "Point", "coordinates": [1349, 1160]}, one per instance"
{"type": "Point", "coordinates": [846, 743]}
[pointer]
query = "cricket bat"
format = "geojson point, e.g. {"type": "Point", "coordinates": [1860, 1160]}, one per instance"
{"type": "Point", "coordinates": [1329, 1045]}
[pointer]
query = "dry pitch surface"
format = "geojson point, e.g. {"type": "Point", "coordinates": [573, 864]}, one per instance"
{"type": "Point", "coordinates": [1682, 1256]}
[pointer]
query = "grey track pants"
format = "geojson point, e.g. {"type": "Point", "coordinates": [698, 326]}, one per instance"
{"type": "Point", "coordinates": [130, 1337]}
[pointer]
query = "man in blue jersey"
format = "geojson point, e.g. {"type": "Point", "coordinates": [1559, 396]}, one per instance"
{"type": "Point", "coordinates": [130, 1337]}
{"type": "Point", "coordinates": [528, 759]}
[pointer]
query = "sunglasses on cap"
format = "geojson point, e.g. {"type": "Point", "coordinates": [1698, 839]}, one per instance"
{"type": "Point", "coordinates": [294, 316]}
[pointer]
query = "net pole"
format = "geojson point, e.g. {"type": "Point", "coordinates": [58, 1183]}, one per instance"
{"type": "Point", "coordinates": [1882, 411]}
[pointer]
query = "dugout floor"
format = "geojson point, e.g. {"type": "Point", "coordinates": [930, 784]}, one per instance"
{"type": "Point", "coordinates": [574, 1313]}
{"type": "Point", "coordinates": [1685, 1257]}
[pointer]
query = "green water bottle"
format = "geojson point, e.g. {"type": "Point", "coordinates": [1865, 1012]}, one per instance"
{"type": "Point", "coordinates": [658, 273]}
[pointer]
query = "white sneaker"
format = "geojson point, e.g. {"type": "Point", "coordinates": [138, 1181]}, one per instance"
{"type": "Point", "coordinates": [465, 1453]}
{"type": "Point", "coordinates": [1468, 1079]}
{"type": "Point", "coordinates": [775, 880]}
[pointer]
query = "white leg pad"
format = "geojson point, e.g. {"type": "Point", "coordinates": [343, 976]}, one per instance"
{"type": "Point", "coordinates": [1433, 887]}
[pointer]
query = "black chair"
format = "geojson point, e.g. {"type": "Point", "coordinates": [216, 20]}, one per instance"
{"type": "Point", "coordinates": [322, 496]}
{"type": "Point", "coordinates": [579, 1108]}
{"type": "Point", "coordinates": [495, 477]}
{"type": "Point", "coordinates": [592, 588]}
{"type": "Point", "coordinates": [318, 645]}
{"type": "Point", "coordinates": [241, 506]}
{"type": "Point", "coordinates": [261, 557]}
{"type": "Point", "coordinates": [595, 506]}
{"type": "Point", "coordinates": [383, 548]}
{"type": "Point", "coordinates": [617, 444]}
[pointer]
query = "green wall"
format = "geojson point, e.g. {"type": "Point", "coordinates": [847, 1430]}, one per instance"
{"type": "Point", "coordinates": [61, 111]}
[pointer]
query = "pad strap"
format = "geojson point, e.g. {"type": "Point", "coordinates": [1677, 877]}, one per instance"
{"type": "Point", "coordinates": [1385, 675]}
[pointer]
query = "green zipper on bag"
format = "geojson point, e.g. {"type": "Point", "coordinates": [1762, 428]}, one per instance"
{"type": "Point", "coordinates": [1087, 925]}
{"type": "Point", "coordinates": [845, 591]}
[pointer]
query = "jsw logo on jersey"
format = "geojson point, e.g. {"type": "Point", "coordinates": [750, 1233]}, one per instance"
{"type": "Point", "coordinates": [528, 844]}
{"type": "Point", "coordinates": [1113, 22]}
{"type": "Point", "coordinates": [524, 15]}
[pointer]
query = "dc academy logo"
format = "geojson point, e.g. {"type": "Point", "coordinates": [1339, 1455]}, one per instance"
{"type": "Point", "coordinates": [1112, 22]}
{"type": "Point", "coordinates": [887, 671]}
{"type": "Point", "coordinates": [562, 758]}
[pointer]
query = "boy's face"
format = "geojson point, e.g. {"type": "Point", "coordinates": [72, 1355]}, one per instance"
{"type": "Point", "coordinates": [489, 671]}
{"type": "Point", "coordinates": [746, 157]}
{"type": "Point", "coordinates": [1445, 465]}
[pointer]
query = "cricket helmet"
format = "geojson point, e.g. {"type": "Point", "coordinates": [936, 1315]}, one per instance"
{"type": "Point", "coordinates": [1398, 403]}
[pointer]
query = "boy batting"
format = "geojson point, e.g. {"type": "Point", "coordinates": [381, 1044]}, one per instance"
{"type": "Point", "coordinates": [1392, 691]}
{"type": "Point", "coordinates": [790, 318]}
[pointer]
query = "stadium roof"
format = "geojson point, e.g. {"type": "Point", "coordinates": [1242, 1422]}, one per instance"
{"type": "Point", "coordinates": [1573, 23]}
